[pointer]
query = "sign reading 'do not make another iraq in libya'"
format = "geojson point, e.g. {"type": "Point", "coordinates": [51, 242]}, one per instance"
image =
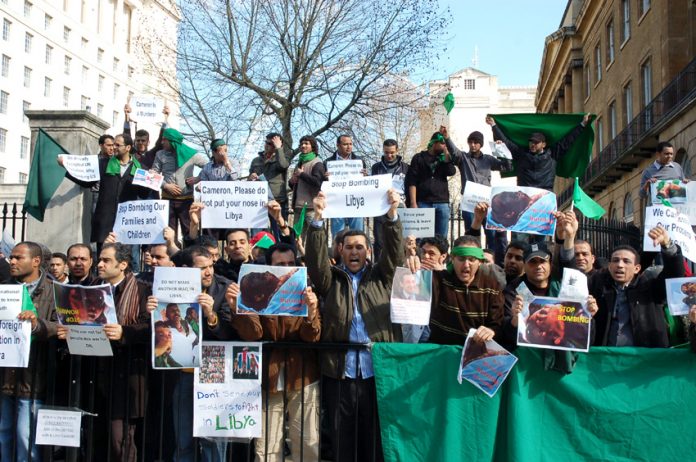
{"type": "Point", "coordinates": [357, 197]}
{"type": "Point", "coordinates": [141, 222]}
{"type": "Point", "coordinates": [234, 204]}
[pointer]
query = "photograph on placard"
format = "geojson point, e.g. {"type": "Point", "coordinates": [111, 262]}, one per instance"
{"type": "Point", "coordinates": [86, 306]}
{"type": "Point", "coordinates": [212, 368]}
{"type": "Point", "coordinates": [176, 335]}
{"type": "Point", "coordinates": [272, 290]}
{"type": "Point", "coordinates": [411, 297]}
{"type": "Point", "coordinates": [673, 191]}
{"type": "Point", "coordinates": [522, 209]}
{"type": "Point", "coordinates": [246, 364]}
{"type": "Point", "coordinates": [555, 323]}
{"type": "Point", "coordinates": [681, 295]}
{"type": "Point", "coordinates": [485, 365]}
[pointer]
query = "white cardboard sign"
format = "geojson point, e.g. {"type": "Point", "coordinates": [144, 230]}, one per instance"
{"type": "Point", "coordinates": [141, 222]}
{"type": "Point", "coordinates": [344, 168]}
{"type": "Point", "coordinates": [473, 194]}
{"type": "Point", "coordinates": [57, 427]}
{"type": "Point", "coordinates": [85, 168]}
{"type": "Point", "coordinates": [677, 225]}
{"type": "Point", "coordinates": [417, 222]}
{"type": "Point", "coordinates": [15, 341]}
{"type": "Point", "coordinates": [357, 197]}
{"type": "Point", "coordinates": [234, 204]}
{"type": "Point", "coordinates": [88, 341]}
{"type": "Point", "coordinates": [10, 300]}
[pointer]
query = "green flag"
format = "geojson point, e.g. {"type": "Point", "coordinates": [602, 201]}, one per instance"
{"type": "Point", "coordinates": [44, 176]}
{"type": "Point", "coordinates": [27, 304]}
{"type": "Point", "coordinates": [518, 127]}
{"type": "Point", "coordinates": [264, 243]}
{"type": "Point", "coordinates": [299, 224]}
{"type": "Point", "coordinates": [585, 204]}
{"type": "Point", "coordinates": [448, 102]}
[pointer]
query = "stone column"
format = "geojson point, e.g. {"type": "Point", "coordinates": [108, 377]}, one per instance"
{"type": "Point", "coordinates": [68, 216]}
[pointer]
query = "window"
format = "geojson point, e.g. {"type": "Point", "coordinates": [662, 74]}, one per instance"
{"type": "Point", "coordinates": [28, 39]}
{"type": "Point", "coordinates": [100, 109]}
{"type": "Point", "coordinates": [646, 82]}
{"type": "Point", "coordinates": [610, 42]}
{"type": "Point", "coordinates": [84, 103]}
{"type": "Point", "coordinates": [26, 105]}
{"type": "Point", "coordinates": [600, 134]}
{"type": "Point", "coordinates": [66, 97]}
{"type": "Point", "coordinates": [27, 77]}
{"type": "Point", "coordinates": [85, 43]}
{"type": "Point", "coordinates": [5, 66]}
{"type": "Point", "coordinates": [117, 87]}
{"type": "Point", "coordinates": [2, 175]}
{"type": "Point", "coordinates": [131, 71]}
{"type": "Point", "coordinates": [625, 20]}
{"type": "Point", "coordinates": [100, 84]}
{"type": "Point", "coordinates": [27, 8]}
{"type": "Point", "coordinates": [49, 54]}
{"type": "Point", "coordinates": [66, 65]}
{"type": "Point", "coordinates": [48, 19]}
{"type": "Point", "coordinates": [628, 208]}
{"type": "Point", "coordinates": [100, 55]}
{"type": "Point", "coordinates": [85, 74]}
{"type": "Point", "coordinates": [598, 63]}
{"type": "Point", "coordinates": [22, 178]}
{"type": "Point", "coordinates": [627, 103]}
{"type": "Point", "coordinates": [47, 87]}
{"type": "Point", "coordinates": [114, 118]}
{"type": "Point", "coordinates": [588, 81]}
{"type": "Point", "coordinates": [115, 68]}
{"type": "Point", "coordinates": [469, 84]}
{"type": "Point", "coordinates": [66, 34]}
{"type": "Point", "coordinates": [24, 148]}
{"type": "Point", "coordinates": [612, 120]}
{"type": "Point", "coordinates": [3, 139]}
{"type": "Point", "coordinates": [643, 7]}
{"type": "Point", "coordinates": [6, 25]}
{"type": "Point", "coordinates": [4, 96]}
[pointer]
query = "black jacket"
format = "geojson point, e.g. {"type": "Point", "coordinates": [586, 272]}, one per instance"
{"type": "Point", "coordinates": [400, 169]}
{"type": "Point", "coordinates": [646, 296]}
{"type": "Point", "coordinates": [431, 183]}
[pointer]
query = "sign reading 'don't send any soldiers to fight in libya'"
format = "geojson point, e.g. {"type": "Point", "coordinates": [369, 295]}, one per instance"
{"type": "Point", "coordinates": [357, 197]}
{"type": "Point", "coordinates": [141, 222]}
{"type": "Point", "coordinates": [234, 204]}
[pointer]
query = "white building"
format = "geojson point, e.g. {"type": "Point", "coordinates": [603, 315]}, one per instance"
{"type": "Point", "coordinates": [79, 54]}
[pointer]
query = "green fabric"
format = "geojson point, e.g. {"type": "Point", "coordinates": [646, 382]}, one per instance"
{"type": "Point", "coordinates": [299, 223]}
{"type": "Point", "coordinates": [217, 143]}
{"type": "Point", "coordinates": [28, 305]}
{"type": "Point", "coordinates": [304, 158]}
{"type": "Point", "coordinates": [183, 152]}
{"type": "Point", "coordinates": [618, 404]}
{"type": "Point", "coordinates": [264, 243]}
{"type": "Point", "coordinates": [518, 127]}
{"type": "Point", "coordinates": [438, 138]}
{"type": "Point", "coordinates": [461, 251]}
{"type": "Point", "coordinates": [448, 102]}
{"type": "Point", "coordinates": [45, 175]}
{"type": "Point", "coordinates": [113, 167]}
{"type": "Point", "coordinates": [585, 204]}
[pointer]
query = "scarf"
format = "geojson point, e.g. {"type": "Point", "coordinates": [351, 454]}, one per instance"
{"type": "Point", "coordinates": [128, 307]}
{"type": "Point", "coordinates": [183, 152]}
{"type": "Point", "coordinates": [114, 166]}
{"type": "Point", "coordinates": [459, 251]}
{"type": "Point", "coordinates": [438, 138]}
{"type": "Point", "coordinates": [304, 158]}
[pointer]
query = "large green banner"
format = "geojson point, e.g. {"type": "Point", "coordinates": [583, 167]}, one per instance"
{"type": "Point", "coordinates": [617, 404]}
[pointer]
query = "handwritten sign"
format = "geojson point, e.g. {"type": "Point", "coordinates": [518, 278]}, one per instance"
{"type": "Point", "coordinates": [88, 341]}
{"type": "Point", "coordinates": [357, 197]}
{"type": "Point", "coordinates": [227, 391]}
{"type": "Point", "coordinates": [234, 204]}
{"type": "Point", "coordinates": [15, 339]}
{"type": "Point", "coordinates": [56, 427]}
{"type": "Point", "coordinates": [345, 168]}
{"type": "Point", "coordinates": [418, 222]}
{"type": "Point", "coordinates": [148, 179]}
{"type": "Point", "coordinates": [145, 109]}
{"type": "Point", "coordinates": [473, 194]}
{"type": "Point", "coordinates": [677, 225]}
{"type": "Point", "coordinates": [141, 222]}
{"type": "Point", "coordinates": [85, 168]}
{"type": "Point", "coordinates": [10, 300]}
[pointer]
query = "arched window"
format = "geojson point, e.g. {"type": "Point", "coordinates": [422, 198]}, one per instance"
{"type": "Point", "coordinates": [628, 208]}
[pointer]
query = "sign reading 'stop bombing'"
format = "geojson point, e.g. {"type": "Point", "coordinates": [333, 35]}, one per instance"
{"type": "Point", "coordinates": [141, 222]}
{"type": "Point", "coordinates": [234, 204]}
{"type": "Point", "coordinates": [357, 196]}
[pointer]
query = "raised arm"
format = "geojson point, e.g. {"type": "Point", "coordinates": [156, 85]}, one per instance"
{"type": "Point", "coordinates": [317, 249]}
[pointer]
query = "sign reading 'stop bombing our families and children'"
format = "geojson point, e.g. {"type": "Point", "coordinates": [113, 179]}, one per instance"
{"type": "Point", "coordinates": [344, 168]}
{"type": "Point", "coordinates": [272, 290]}
{"type": "Point", "coordinates": [417, 222]}
{"type": "Point", "coordinates": [146, 109]}
{"type": "Point", "coordinates": [485, 365]}
{"type": "Point", "coordinates": [473, 194]}
{"type": "Point", "coordinates": [410, 297]}
{"type": "Point", "coordinates": [227, 391]}
{"type": "Point", "coordinates": [357, 197]}
{"type": "Point", "coordinates": [176, 323]}
{"type": "Point", "coordinates": [84, 168]}
{"type": "Point", "coordinates": [141, 222]}
{"type": "Point", "coordinates": [522, 209]}
{"type": "Point", "coordinates": [555, 323]}
{"type": "Point", "coordinates": [234, 204]}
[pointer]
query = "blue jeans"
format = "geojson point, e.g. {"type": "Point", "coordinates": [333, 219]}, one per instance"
{"type": "Point", "coordinates": [442, 216]}
{"type": "Point", "coordinates": [495, 240]}
{"type": "Point", "coordinates": [337, 224]}
{"type": "Point", "coordinates": [182, 408]}
{"type": "Point", "coordinates": [10, 434]}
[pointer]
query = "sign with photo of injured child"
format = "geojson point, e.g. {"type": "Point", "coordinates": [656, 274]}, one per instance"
{"type": "Point", "coordinates": [485, 365]}
{"type": "Point", "coordinates": [272, 290]}
{"type": "Point", "coordinates": [554, 323]}
{"type": "Point", "coordinates": [522, 209]}
{"type": "Point", "coordinates": [681, 295]}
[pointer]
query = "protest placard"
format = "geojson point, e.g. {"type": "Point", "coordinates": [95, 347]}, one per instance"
{"type": "Point", "coordinates": [473, 194]}
{"type": "Point", "coordinates": [681, 295]}
{"type": "Point", "coordinates": [141, 222]}
{"type": "Point", "coordinates": [227, 391]}
{"type": "Point", "coordinates": [146, 109]}
{"type": "Point", "coordinates": [7, 243]}
{"type": "Point", "coordinates": [148, 179]}
{"type": "Point", "coordinates": [671, 191]}
{"type": "Point", "coordinates": [88, 341]}
{"type": "Point", "coordinates": [10, 300]}
{"type": "Point", "coordinates": [87, 306]}
{"type": "Point", "coordinates": [85, 168]}
{"type": "Point", "coordinates": [410, 297]}
{"type": "Point", "coordinates": [176, 284]}
{"type": "Point", "coordinates": [554, 323]}
{"type": "Point", "coordinates": [522, 209]}
{"type": "Point", "coordinates": [15, 340]}
{"type": "Point", "coordinates": [500, 150]}
{"type": "Point", "coordinates": [417, 222]}
{"type": "Point", "coordinates": [677, 225]}
{"type": "Point", "coordinates": [272, 290]}
{"type": "Point", "coordinates": [58, 427]}
{"type": "Point", "coordinates": [234, 204]}
{"type": "Point", "coordinates": [356, 197]}
{"type": "Point", "coordinates": [344, 168]}
{"type": "Point", "coordinates": [574, 285]}
{"type": "Point", "coordinates": [485, 365]}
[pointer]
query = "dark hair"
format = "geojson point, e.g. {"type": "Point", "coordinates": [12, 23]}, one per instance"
{"type": "Point", "coordinates": [105, 137]}
{"type": "Point", "coordinates": [60, 255]}
{"type": "Point", "coordinates": [35, 249]}
{"type": "Point", "coordinates": [467, 240]}
{"type": "Point", "coordinates": [190, 253]}
{"type": "Point", "coordinates": [312, 141]}
{"type": "Point", "coordinates": [356, 232]}
{"type": "Point", "coordinates": [170, 252]}
{"type": "Point", "coordinates": [122, 252]}
{"type": "Point", "coordinates": [342, 135]}
{"type": "Point", "coordinates": [205, 240]}
{"type": "Point", "coordinates": [237, 230]}
{"type": "Point", "coordinates": [489, 252]}
{"type": "Point", "coordinates": [580, 241]}
{"type": "Point", "coordinates": [390, 142]}
{"type": "Point", "coordinates": [519, 245]}
{"type": "Point", "coordinates": [340, 235]}
{"type": "Point", "coordinates": [279, 247]}
{"type": "Point", "coordinates": [437, 241]}
{"type": "Point", "coordinates": [82, 246]}
{"type": "Point", "coordinates": [142, 132]}
{"type": "Point", "coordinates": [629, 249]}
{"type": "Point", "coordinates": [662, 145]}
{"type": "Point", "coordinates": [272, 134]}
{"type": "Point", "coordinates": [127, 140]}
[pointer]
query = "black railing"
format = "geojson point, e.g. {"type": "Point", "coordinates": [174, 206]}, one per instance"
{"type": "Point", "coordinates": [14, 219]}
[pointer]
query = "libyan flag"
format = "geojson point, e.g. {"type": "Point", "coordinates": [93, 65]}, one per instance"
{"type": "Point", "coordinates": [45, 175]}
{"type": "Point", "coordinates": [518, 127]}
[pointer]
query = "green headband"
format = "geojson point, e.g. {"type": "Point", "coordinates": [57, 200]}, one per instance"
{"type": "Point", "coordinates": [459, 251]}
{"type": "Point", "coordinates": [217, 143]}
{"type": "Point", "coordinates": [436, 139]}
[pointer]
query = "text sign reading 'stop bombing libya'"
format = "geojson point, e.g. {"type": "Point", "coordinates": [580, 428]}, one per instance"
{"type": "Point", "coordinates": [234, 204]}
